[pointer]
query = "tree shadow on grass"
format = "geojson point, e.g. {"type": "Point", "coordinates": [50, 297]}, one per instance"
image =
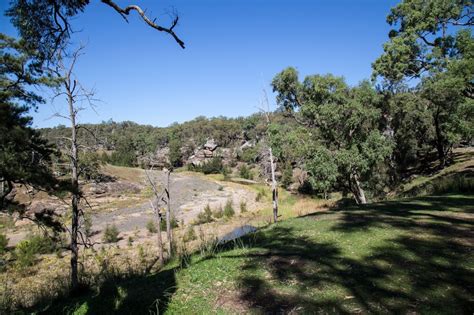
{"type": "Point", "coordinates": [425, 267]}
{"type": "Point", "coordinates": [136, 294]}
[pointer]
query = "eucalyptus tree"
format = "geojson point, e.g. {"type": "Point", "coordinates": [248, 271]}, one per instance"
{"type": "Point", "coordinates": [431, 41]}
{"type": "Point", "coordinates": [346, 144]}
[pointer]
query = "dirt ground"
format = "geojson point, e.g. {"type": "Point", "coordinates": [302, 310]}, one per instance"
{"type": "Point", "coordinates": [126, 203]}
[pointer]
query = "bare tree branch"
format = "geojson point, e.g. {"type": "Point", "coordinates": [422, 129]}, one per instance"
{"type": "Point", "coordinates": [124, 12]}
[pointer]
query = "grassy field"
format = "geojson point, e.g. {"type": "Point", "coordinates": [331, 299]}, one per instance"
{"type": "Point", "coordinates": [407, 256]}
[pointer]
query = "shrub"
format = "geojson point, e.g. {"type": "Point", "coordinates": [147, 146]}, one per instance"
{"type": "Point", "coordinates": [189, 235]}
{"type": "Point", "coordinates": [225, 172]}
{"type": "Point", "coordinates": [219, 213]}
{"type": "Point", "coordinates": [87, 225]}
{"type": "Point", "coordinates": [287, 176]}
{"type": "Point", "coordinates": [214, 166]}
{"type": "Point", "coordinates": [174, 223]}
{"type": "Point", "coordinates": [151, 227]}
{"type": "Point", "coordinates": [249, 155]}
{"type": "Point", "coordinates": [205, 216]}
{"type": "Point", "coordinates": [243, 206]}
{"type": "Point", "coordinates": [228, 209]}
{"type": "Point", "coordinates": [3, 243]}
{"type": "Point", "coordinates": [89, 164]}
{"type": "Point", "coordinates": [261, 193]}
{"type": "Point", "coordinates": [25, 254]}
{"type": "Point", "coordinates": [110, 234]}
{"type": "Point", "coordinates": [26, 251]}
{"type": "Point", "coordinates": [245, 172]}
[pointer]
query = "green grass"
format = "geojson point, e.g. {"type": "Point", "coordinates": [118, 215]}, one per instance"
{"type": "Point", "coordinates": [407, 256]}
{"type": "Point", "coordinates": [455, 178]}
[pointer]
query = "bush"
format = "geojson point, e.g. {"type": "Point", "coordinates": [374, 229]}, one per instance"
{"type": "Point", "coordinates": [26, 251]}
{"type": "Point", "coordinates": [226, 172]}
{"type": "Point", "coordinates": [87, 225]}
{"type": "Point", "coordinates": [189, 235]}
{"type": "Point", "coordinates": [228, 209]}
{"type": "Point", "coordinates": [249, 155]}
{"type": "Point", "coordinates": [89, 164]}
{"type": "Point", "coordinates": [245, 172]}
{"type": "Point", "coordinates": [110, 234]}
{"type": "Point", "coordinates": [243, 206]}
{"type": "Point", "coordinates": [151, 227]}
{"type": "Point", "coordinates": [219, 213]}
{"type": "Point", "coordinates": [3, 243]}
{"type": "Point", "coordinates": [174, 223]}
{"type": "Point", "coordinates": [261, 193]}
{"type": "Point", "coordinates": [214, 166]}
{"type": "Point", "coordinates": [287, 176]}
{"type": "Point", "coordinates": [205, 216]}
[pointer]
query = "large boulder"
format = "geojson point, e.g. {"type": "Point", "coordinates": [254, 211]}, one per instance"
{"type": "Point", "coordinates": [210, 145]}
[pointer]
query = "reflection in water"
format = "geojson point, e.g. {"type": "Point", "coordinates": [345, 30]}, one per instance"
{"type": "Point", "coordinates": [236, 233]}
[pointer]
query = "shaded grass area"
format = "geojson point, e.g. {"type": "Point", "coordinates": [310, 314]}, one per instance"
{"type": "Point", "coordinates": [455, 178]}
{"type": "Point", "coordinates": [413, 255]}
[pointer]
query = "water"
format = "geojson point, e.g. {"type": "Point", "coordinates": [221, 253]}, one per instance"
{"type": "Point", "coordinates": [237, 233]}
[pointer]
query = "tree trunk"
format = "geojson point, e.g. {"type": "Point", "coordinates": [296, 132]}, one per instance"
{"type": "Point", "coordinates": [274, 188]}
{"type": "Point", "coordinates": [75, 196]}
{"type": "Point", "coordinates": [357, 190]}
{"type": "Point", "coordinates": [160, 240]}
{"type": "Point", "coordinates": [169, 231]}
{"type": "Point", "coordinates": [439, 142]}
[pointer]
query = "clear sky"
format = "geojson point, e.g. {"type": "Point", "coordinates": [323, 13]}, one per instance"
{"type": "Point", "coordinates": [233, 50]}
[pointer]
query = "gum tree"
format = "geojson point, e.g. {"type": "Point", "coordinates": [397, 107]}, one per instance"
{"type": "Point", "coordinates": [342, 122]}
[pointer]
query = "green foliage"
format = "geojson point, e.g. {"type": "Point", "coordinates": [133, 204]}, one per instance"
{"type": "Point", "coordinates": [189, 234]}
{"type": "Point", "coordinates": [124, 154]}
{"type": "Point", "coordinates": [25, 156]}
{"type": "Point", "coordinates": [245, 172]}
{"type": "Point", "coordinates": [87, 225]}
{"type": "Point", "coordinates": [174, 224]}
{"type": "Point", "coordinates": [226, 172]}
{"type": "Point", "coordinates": [261, 193]}
{"type": "Point", "coordinates": [89, 165]}
{"type": "Point", "coordinates": [243, 206]}
{"type": "Point", "coordinates": [205, 216]}
{"type": "Point", "coordinates": [175, 155]}
{"type": "Point", "coordinates": [345, 144]}
{"type": "Point", "coordinates": [3, 243]}
{"type": "Point", "coordinates": [229, 209]}
{"type": "Point", "coordinates": [287, 176]}
{"type": "Point", "coordinates": [218, 213]}
{"type": "Point", "coordinates": [419, 41]}
{"type": "Point", "coordinates": [111, 234]}
{"type": "Point", "coordinates": [26, 251]}
{"type": "Point", "coordinates": [213, 166]}
{"type": "Point", "coordinates": [249, 155]}
{"type": "Point", "coordinates": [151, 226]}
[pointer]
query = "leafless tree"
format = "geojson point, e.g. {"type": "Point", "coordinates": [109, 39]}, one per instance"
{"type": "Point", "coordinates": [161, 198]}
{"type": "Point", "coordinates": [76, 95]}
{"type": "Point", "coordinates": [265, 110]}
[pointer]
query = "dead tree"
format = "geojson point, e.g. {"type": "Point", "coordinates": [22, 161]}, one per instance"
{"type": "Point", "coordinates": [75, 96]}
{"type": "Point", "coordinates": [265, 109]}
{"type": "Point", "coordinates": [156, 209]}
{"type": "Point", "coordinates": [169, 228]}
{"type": "Point", "coordinates": [161, 198]}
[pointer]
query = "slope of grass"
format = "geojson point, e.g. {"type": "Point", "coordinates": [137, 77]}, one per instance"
{"type": "Point", "coordinates": [455, 178]}
{"type": "Point", "coordinates": [412, 255]}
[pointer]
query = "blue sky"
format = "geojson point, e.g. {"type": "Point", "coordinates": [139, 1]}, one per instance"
{"type": "Point", "coordinates": [233, 50]}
